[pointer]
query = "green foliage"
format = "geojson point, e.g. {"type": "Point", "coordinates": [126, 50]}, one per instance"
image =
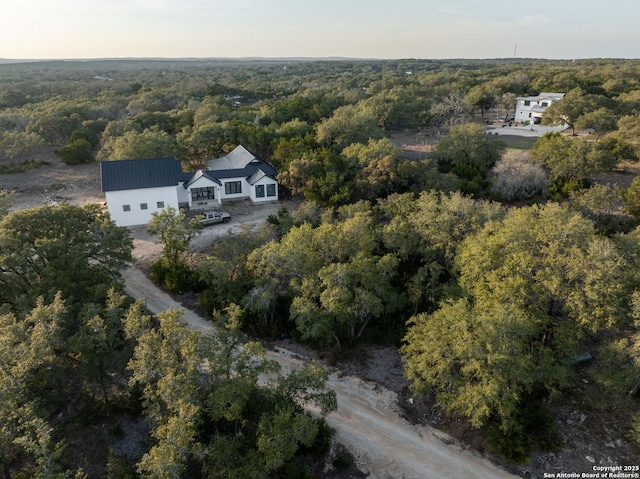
{"type": "Point", "coordinates": [150, 143]}
{"type": "Point", "coordinates": [338, 282]}
{"type": "Point", "coordinates": [570, 160]}
{"type": "Point", "coordinates": [76, 152]}
{"type": "Point", "coordinates": [577, 108]}
{"type": "Point", "coordinates": [76, 250]}
{"type": "Point", "coordinates": [14, 144]}
{"type": "Point", "coordinates": [174, 231]}
{"type": "Point", "coordinates": [175, 277]}
{"type": "Point", "coordinates": [242, 428]}
{"type": "Point", "coordinates": [532, 293]}
{"type": "Point", "coordinates": [22, 166]}
{"type": "Point", "coordinates": [468, 152]}
{"type": "Point", "coordinates": [632, 197]}
{"type": "Point", "coordinates": [6, 200]}
{"type": "Point", "coordinates": [349, 124]}
{"type": "Point", "coordinates": [533, 428]}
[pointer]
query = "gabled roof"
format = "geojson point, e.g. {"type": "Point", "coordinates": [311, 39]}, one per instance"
{"type": "Point", "coordinates": [257, 175]}
{"type": "Point", "coordinates": [240, 163]}
{"type": "Point", "coordinates": [238, 159]}
{"type": "Point", "coordinates": [140, 173]}
{"type": "Point", "coordinates": [199, 174]}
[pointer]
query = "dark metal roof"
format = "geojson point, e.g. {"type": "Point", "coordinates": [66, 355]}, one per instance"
{"type": "Point", "coordinates": [140, 173]}
{"type": "Point", "coordinates": [246, 172]}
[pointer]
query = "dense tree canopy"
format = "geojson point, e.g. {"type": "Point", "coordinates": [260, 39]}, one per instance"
{"type": "Point", "coordinates": [500, 300]}
{"type": "Point", "coordinates": [532, 292]}
{"type": "Point", "coordinates": [76, 250]}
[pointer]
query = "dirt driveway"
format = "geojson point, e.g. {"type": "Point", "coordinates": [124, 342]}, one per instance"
{"type": "Point", "coordinates": [368, 421]}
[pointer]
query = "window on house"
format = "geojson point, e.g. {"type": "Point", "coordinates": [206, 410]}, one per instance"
{"type": "Point", "coordinates": [271, 190]}
{"type": "Point", "coordinates": [233, 187]}
{"type": "Point", "coordinates": [527, 103]}
{"type": "Point", "coordinates": [206, 193]}
{"type": "Point", "coordinates": [160, 204]}
{"type": "Point", "coordinates": [144, 206]}
{"type": "Point", "coordinates": [259, 191]}
{"type": "Point", "coordinates": [126, 207]}
{"type": "Point", "coordinates": [544, 103]}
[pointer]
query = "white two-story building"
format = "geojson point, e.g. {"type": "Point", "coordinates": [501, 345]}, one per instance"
{"type": "Point", "coordinates": [528, 108]}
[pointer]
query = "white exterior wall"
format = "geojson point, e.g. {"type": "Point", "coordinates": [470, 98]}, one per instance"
{"type": "Point", "coordinates": [534, 108]}
{"type": "Point", "coordinates": [203, 182]}
{"type": "Point", "coordinates": [525, 113]}
{"type": "Point", "coordinates": [264, 182]}
{"type": "Point", "coordinates": [134, 198]}
{"type": "Point", "coordinates": [246, 189]}
{"type": "Point", "coordinates": [183, 195]}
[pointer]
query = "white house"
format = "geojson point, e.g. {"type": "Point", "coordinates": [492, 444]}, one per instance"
{"type": "Point", "coordinates": [134, 189]}
{"type": "Point", "coordinates": [530, 107]}
{"type": "Point", "coordinates": [240, 174]}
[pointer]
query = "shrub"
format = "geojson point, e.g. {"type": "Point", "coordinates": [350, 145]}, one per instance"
{"type": "Point", "coordinates": [177, 278]}
{"type": "Point", "coordinates": [76, 152]}
{"type": "Point", "coordinates": [515, 177]}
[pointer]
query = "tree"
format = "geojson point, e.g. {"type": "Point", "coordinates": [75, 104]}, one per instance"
{"type": "Point", "coordinates": [572, 106]}
{"type": "Point", "coordinates": [451, 110]}
{"type": "Point", "coordinates": [576, 159]}
{"type": "Point", "coordinates": [320, 175]}
{"type": "Point", "coordinates": [29, 386]}
{"type": "Point", "coordinates": [602, 121]}
{"type": "Point", "coordinates": [349, 124]}
{"type": "Point", "coordinates": [468, 152]}
{"type": "Point", "coordinates": [207, 407]}
{"type": "Point", "coordinates": [151, 143]}
{"type": "Point", "coordinates": [174, 231]}
{"type": "Point", "coordinates": [377, 168]}
{"type": "Point", "coordinates": [515, 177]}
{"type": "Point", "coordinates": [76, 250]}
{"type": "Point", "coordinates": [480, 97]}
{"type": "Point", "coordinates": [76, 152]}
{"type": "Point", "coordinates": [532, 291]}
{"type": "Point", "coordinates": [14, 143]}
{"type": "Point", "coordinates": [224, 273]}
{"type": "Point", "coordinates": [345, 297]}
{"type": "Point", "coordinates": [632, 197]}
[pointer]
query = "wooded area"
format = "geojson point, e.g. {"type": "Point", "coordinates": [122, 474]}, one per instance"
{"type": "Point", "coordinates": [492, 268]}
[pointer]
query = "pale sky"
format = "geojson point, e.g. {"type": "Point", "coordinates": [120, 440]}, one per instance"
{"type": "Point", "coordinates": [558, 29]}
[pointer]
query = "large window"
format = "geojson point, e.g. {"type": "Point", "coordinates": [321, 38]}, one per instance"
{"type": "Point", "coordinates": [199, 194]}
{"type": "Point", "coordinates": [259, 191]}
{"type": "Point", "coordinates": [233, 187]}
{"type": "Point", "coordinates": [144, 206]}
{"type": "Point", "coordinates": [271, 190]}
{"type": "Point", "coordinates": [126, 207]}
{"type": "Point", "coordinates": [160, 204]}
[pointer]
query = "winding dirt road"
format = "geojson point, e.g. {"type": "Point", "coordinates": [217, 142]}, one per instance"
{"type": "Point", "coordinates": [367, 422]}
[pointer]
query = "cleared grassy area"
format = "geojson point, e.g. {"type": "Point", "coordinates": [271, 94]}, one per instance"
{"type": "Point", "coordinates": [518, 142]}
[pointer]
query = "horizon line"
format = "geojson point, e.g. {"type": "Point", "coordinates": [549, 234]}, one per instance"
{"type": "Point", "coordinates": [290, 58]}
